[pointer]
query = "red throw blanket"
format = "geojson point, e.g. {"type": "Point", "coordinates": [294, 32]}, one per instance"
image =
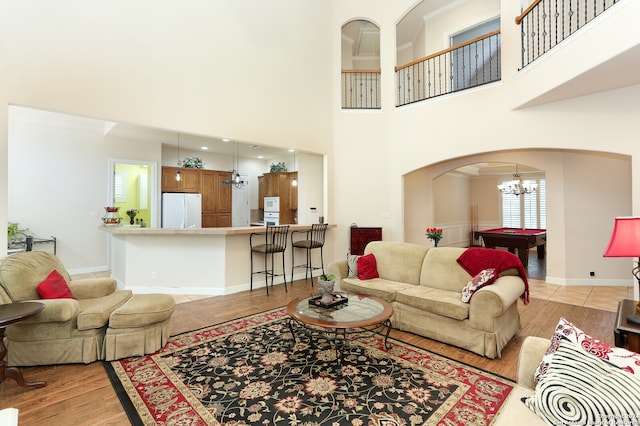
{"type": "Point", "coordinates": [475, 259]}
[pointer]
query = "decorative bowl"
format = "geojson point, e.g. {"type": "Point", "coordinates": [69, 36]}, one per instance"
{"type": "Point", "coordinates": [111, 221]}
{"type": "Point", "coordinates": [112, 209]}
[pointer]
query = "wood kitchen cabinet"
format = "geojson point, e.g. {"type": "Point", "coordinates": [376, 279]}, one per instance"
{"type": "Point", "coordinates": [279, 185]}
{"type": "Point", "coordinates": [189, 182]}
{"type": "Point", "coordinates": [261, 190]}
{"type": "Point", "coordinates": [293, 191]}
{"type": "Point", "coordinates": [216, 198]}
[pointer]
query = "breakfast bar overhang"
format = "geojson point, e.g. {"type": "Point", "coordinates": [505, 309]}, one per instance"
{"type": "Point", "coordinates": [203, 261]}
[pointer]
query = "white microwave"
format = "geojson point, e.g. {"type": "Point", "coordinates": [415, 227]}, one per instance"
{"type": "Point", "coordinates": [271, 204]}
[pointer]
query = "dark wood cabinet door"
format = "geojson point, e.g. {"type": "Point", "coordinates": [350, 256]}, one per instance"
{"type": "Point", "coordinates": [223, 199]}
{"type": "Point", "coordinates": [169, 182]}
{"type": "Point", "coordinates": [190, 180]}
{"type": "Point", "coordinates": [360, 237]}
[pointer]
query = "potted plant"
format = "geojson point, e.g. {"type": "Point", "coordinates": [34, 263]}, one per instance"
{"type": "Point", "coordinates": [193, 163]}
{"type": "Point", "coordinates": [14, 232]}
{"type": "Point", "coordinates": [280, 167]}
{"type": "Point", "coordinates": [325, 287]}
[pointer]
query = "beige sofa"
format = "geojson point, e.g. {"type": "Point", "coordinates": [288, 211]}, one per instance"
{"type": "Point", "coordinates": [424, 286]}
{"type": "Point", "coordinates": [514, 412]}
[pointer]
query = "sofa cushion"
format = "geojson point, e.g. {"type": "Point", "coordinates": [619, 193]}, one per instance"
{"type": "Point", "coordinates": [384, 289]}
{"type": "Point", "coordinates": [441, 302]}
{"type": "Point", "coordinates": [580, 388]}
{"type": "Point", "coordinates": [441, 270]}
{"type": "Point", "coordinates": [566, 331]}
{"type": "Point", "coordinates": [54, 287]}
{"type": "Point", "coordinates": [398, 261]}
{"type": "Point", "coordinates": [94, 313]}
{"type": "Point", "coordinates": [367, 268]}
{"type": "Point", "coordinates": [143, 310]}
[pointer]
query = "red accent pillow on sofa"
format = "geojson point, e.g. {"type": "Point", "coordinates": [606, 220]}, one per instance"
{"type": "Point", "coordinates": [54, 287]}
{"type": "Point", "coordinates": [367, 267]}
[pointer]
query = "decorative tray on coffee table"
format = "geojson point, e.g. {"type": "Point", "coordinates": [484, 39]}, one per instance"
{"type": "Point", "coordinates": [338, 299]}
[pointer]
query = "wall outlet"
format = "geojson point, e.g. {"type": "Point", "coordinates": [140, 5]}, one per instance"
{"type": "Point", "coordinates": [154, 276]}
{"type": "Point", "coordinates": [93, 214]}
{"type": "Point", "coordinates": [592, 274]}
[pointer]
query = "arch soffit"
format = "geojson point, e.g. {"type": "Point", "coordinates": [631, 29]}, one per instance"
{"type": "Point", "coordinates": [503, 156]}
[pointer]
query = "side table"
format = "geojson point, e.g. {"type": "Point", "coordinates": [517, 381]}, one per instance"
{"type": "Point", "coordinates": [626, 334]}
{"type": "Point", "coordinates": [12, 313]}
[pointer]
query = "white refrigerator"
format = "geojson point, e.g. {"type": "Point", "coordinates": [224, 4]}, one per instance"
{"type": "Point", "coordinates": [181, 210]}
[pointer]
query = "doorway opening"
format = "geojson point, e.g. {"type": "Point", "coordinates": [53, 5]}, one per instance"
{"type": "Point", "coordinates": [133, 187]}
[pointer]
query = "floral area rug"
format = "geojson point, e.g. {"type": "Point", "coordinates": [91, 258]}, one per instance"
{"type": "Point", "coordinates": [251, 371]}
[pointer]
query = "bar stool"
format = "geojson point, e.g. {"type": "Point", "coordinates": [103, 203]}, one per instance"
{"type": "Point", "coordinates": [268, 243]}
{"type": "Point", "coordinates": [314, 240]}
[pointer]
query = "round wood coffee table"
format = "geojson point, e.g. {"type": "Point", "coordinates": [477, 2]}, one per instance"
{"type": "Point", "coordinates": [12, 313]}
{"type": "Point", "coordinates": [362, 314]}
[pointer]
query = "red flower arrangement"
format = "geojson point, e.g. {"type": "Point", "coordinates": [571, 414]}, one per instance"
{"type": "Point", "coordinates": [434, 234]}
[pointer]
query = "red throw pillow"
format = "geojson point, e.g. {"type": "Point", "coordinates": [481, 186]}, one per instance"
{"type": "Point", "coordinates": [54, 287]}
{"type": "Point", "coordinates": [367, 267]}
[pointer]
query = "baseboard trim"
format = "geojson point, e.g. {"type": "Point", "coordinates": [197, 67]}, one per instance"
{"type": "Point", "coordinates": [588, 282]}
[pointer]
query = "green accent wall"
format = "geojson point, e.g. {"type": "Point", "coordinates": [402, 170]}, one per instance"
{"type": "Point", "coordinates": [135, 192]}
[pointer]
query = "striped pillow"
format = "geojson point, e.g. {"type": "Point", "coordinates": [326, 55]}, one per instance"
{"type": "Point", "coordinates": [565, 330]}
{"type": "Point", "coordinates": [352, 265]}
{"type": "Point", "coordinates": [581, 389]}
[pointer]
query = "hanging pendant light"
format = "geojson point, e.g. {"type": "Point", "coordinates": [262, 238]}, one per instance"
{"type": "Point", "coordinates": [294, 182]}
{"type": "Point", "coordinates": [516, 186]}
{"type": "Point", "coordinates": [178, 175]}
{"type": "Point", "coordinates": [236, 180]}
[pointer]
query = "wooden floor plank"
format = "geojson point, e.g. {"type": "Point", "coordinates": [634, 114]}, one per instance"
{"type": "Point", "coordinates": [82, 394]}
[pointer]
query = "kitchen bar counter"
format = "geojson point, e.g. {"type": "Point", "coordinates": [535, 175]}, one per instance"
{"type": "Point", "coordinates": [238, 230]}
{"type": "Point", "coordinates": [201, 261]}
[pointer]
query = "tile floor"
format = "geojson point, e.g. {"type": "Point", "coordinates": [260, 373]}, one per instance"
{"type": "Point", "coordinates": [597, 297]}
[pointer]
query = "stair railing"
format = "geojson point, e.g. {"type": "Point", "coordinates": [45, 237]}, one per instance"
{"type": "Point", "coordinates": [463, 66]}
{"type": "Point", "coordinates": [546, 23]}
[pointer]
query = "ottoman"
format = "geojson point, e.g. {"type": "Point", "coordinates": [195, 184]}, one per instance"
{"type": "Point", "coordinates": [139, 327]}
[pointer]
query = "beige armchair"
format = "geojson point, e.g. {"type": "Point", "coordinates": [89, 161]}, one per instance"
{"type": "Point", "coordinates": [67, 330]}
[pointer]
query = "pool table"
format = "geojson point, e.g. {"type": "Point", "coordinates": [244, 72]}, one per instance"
{"type": "Point", "coordinates": [515, 238]}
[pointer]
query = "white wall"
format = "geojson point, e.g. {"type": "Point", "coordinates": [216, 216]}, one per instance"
{"type": "Point", "coordinates": [59, 180]}
{"type": "Point", "coordinates": [211, 68]}
{"type": "Point", "coordinates": [476, 122]}
{"type": "Point", "coordinates": [585, 191]}
{"type": "Point", "coordinates": [270, 71]}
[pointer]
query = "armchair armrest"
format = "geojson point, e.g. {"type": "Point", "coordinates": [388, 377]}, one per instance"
{"type": "Point", "coordinates": [90, 288]}
{"type": "Point", "coordinates": [491, 301]}
{"type": "Point", "coordinates": [339, 270]}
{"type": "Point", "coordinates": [55, 310]}
{"type": "Point", "coordinates": [531, 352]}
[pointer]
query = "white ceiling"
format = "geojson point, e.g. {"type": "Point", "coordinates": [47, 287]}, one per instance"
{"type": "Point", "coordinates": [196, 143]}
{"type": "Point", "coordinates": [147, 134]}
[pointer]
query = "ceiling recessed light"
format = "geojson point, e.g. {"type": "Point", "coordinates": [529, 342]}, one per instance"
{"type": "Point", "coordinates": [226, 140]}
{"type": "Point", "coordinates": [261, 156]}
{"type": "Point", "coordinates": [204, 148]}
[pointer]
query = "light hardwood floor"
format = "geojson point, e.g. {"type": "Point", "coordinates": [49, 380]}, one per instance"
{"type": "Point", "coordinates": [82, 394]}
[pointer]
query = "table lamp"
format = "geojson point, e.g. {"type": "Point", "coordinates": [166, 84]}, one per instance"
{"type": "Point", "coordinates": [625, 242]}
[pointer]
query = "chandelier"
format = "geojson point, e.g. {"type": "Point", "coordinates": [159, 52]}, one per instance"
{"type": "Point", "coordinates": [236, 180]}
{"type": "Point", "coordinates": [516, 187]}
